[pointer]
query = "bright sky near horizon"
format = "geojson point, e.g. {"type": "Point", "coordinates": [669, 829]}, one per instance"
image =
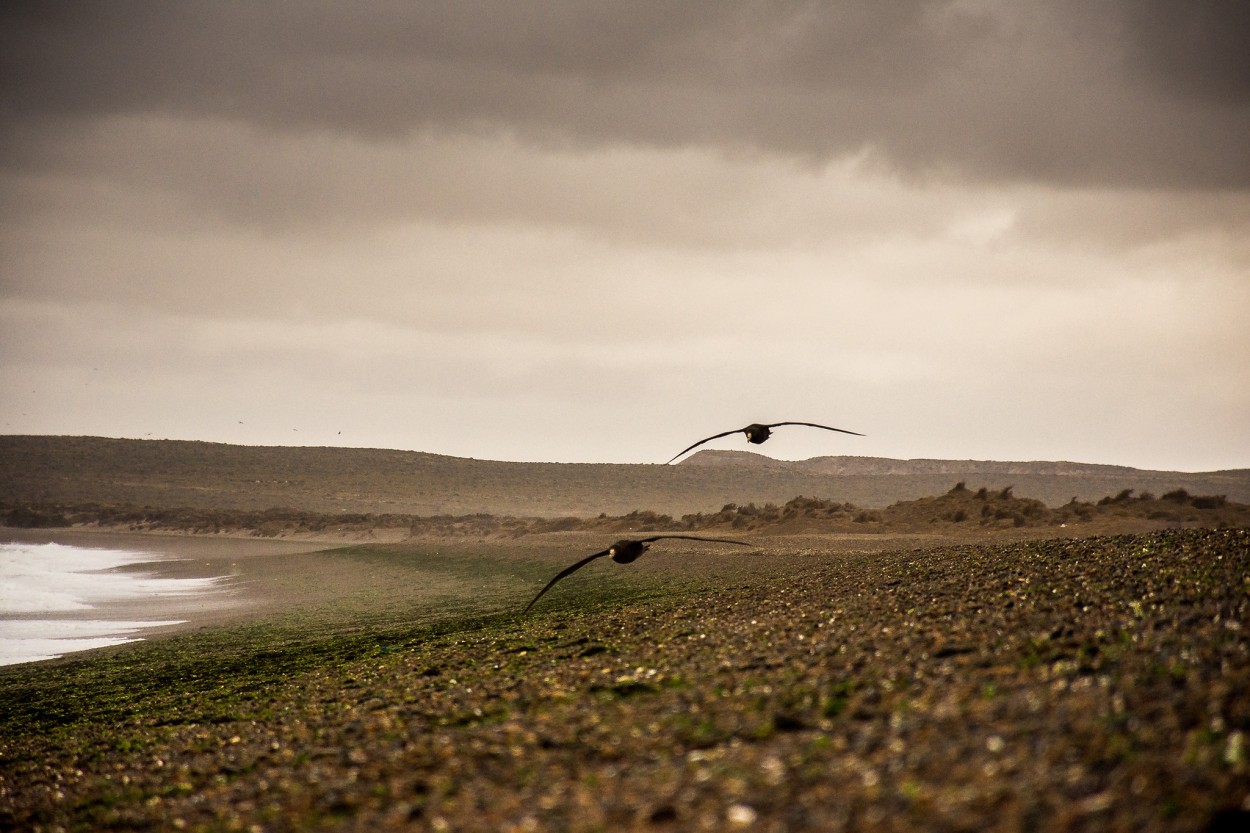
{"type": "Point", "coordinates": [597, 232]}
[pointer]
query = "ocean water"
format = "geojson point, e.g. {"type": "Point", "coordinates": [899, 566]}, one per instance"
{"type": "Point", "coordinates": [53, 598]}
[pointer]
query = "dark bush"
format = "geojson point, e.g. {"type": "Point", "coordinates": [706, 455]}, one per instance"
{"type": "Point", "coordinates": [25, 518]}
{"type": "Point", "coordinates": [561, 524]}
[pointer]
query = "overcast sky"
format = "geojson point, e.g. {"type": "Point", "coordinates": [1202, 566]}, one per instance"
{"type": "Point", "coordinates": [599, 231]}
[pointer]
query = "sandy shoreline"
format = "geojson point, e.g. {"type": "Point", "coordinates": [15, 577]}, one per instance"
{"type": "Point", "coordinates": [279, 580]}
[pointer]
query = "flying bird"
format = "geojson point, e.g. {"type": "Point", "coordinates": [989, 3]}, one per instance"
{"type": "Point", "coordinates": [623, 552]}
{"type": "Point", "coordinates": [757, 433]}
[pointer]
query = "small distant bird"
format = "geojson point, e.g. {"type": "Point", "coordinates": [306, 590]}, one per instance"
{"type": "Point", "coordinates": [757, 433]}
{"type": "Point", "coordinates": [623, 552]}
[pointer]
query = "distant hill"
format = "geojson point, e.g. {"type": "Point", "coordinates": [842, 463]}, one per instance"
{"type": "Point", "coordinates": [169, 473]}
{"type": "Point", "coordinates": [1052, 482]}
{"type": "Point", "coordinates": [888, 466]}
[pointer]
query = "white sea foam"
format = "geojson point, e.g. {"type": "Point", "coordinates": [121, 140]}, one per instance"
{"type": "Point", "coordinates": [30, 640]}
{"type": "Point", "coordinates": [51, 580]}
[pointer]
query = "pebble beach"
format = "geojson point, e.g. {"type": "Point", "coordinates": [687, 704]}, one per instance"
{"type": "Point", "coordinates": [1056, 684]}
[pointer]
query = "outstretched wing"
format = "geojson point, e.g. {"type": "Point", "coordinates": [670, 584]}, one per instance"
{"type": "Point", "coordinates": [708, 440]}
{"type": "Point", "coordinates": [813, 425]}
{"type": "Point", "coordinates": [698, 538]}
{"type": "Point", "coordinates": [566, 571]}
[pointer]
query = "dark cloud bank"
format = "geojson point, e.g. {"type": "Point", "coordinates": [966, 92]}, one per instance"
{"type": "Point", "coordinates": [1130, 93]}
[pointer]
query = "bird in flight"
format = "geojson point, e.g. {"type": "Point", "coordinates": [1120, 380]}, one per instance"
{"type": "Point", "coordinates": [757, 433]}
{"type": "Point", "coordinates": [623, 552]}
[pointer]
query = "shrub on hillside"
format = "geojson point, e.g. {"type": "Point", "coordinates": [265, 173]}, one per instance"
{"type": "Point", "coordinates": [26, 518]}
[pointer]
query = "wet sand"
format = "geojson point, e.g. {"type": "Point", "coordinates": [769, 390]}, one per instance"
{"type": "Point", "coordinates": [247, 566]}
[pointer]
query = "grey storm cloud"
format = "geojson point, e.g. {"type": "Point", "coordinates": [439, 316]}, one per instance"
{"type": "Point", "coordinates": [967, 228]}
{"type": "Point", "coordinates": [1144, 94]}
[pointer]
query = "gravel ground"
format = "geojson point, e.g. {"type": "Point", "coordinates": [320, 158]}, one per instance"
{"type": "Point", "coordinates": [1066, 684]}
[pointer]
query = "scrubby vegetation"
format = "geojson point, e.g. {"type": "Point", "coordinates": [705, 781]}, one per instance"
{"type": "Point", "coordinates": [959, 507]}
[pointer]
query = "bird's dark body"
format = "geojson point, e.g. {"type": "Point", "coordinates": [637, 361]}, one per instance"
{"type": "Point", "coordinates": [625, 551]}
{"type": "Point", "coordinates": [757, 433]}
